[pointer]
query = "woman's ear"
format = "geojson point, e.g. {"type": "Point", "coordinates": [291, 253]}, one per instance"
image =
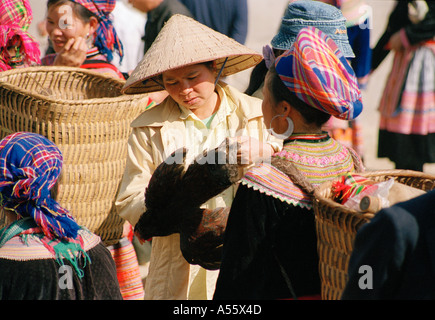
{"type": "Point", "coordinates": [284, 108]}
{"type": "Point", "coordinates": [93, 25]}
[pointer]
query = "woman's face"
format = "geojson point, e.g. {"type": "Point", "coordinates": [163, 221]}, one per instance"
{"type": "Point", "coordinates": [13, 50]}
{"type": "Point", "coordinates": [63, 24]}
{"type": "Point", "coordinates": [192, 86]}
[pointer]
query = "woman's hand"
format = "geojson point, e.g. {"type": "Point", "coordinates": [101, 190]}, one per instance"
{"type": "Point", "coordinates": [251, 150]}
{"type": "Point", "coordinates": [73, 53]}
{"type": "Point", "coordinates": [395, 43]}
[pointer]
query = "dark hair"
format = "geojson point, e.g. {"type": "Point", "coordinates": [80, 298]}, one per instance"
{"type": "Point", "coordinates": [281, 93]}
{"type": "Point", "coordinates": [257, 78]}
{"type": "Point", "coordinates": [258, 74]}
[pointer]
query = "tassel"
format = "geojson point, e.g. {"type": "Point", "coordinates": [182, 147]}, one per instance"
{"type": "Point", "coordinates": [72, 252]}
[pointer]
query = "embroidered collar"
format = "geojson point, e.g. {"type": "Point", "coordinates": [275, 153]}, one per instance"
{"type": "Point", "coordinates": [308, 137]}
{"type": "Point", "coordinates": [61, 249]}
{"type": "Point", "coordinates": [92, 52]}
{"type": "Point", "coordinates": [317, 156]}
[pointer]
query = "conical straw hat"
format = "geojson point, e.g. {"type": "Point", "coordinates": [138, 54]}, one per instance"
{"type": "Point", "coordinates": [182, 42]}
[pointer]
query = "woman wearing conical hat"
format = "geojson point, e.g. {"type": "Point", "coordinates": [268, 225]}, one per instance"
{"type": "Point", "coordinates": [187, 59]}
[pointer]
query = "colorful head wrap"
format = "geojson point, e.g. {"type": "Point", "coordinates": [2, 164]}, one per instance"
{"type": "Point", "coordinates": [318, 73]}
{"type": "Point", "coordinates": [30, 165]}
{"type": "Point", "coordinates": [107, 40]}
{"type": "Point", "coordinates": [15, 19]}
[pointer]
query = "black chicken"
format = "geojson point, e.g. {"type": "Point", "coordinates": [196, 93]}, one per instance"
{"type": "Point", "coordinates": [174, 196]}
{"type": "Point", "coordinates": [162, 216]}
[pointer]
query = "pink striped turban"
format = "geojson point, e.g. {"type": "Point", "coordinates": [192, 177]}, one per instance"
{"type": "Point", "coordinates": [317, 72]}
{"type": "Point", "coordinates": [15, 19]}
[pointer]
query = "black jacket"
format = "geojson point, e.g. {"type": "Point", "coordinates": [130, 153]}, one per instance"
{"type": "Point", "coordinates": [159, 16]}
{"type": "Point", "coordinates": [395, 253]}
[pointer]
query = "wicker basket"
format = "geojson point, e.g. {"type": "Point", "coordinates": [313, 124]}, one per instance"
{"type": "Point", "coordinates": [337, 226]}
{"type": "Point", "coordinates": [86, 115]}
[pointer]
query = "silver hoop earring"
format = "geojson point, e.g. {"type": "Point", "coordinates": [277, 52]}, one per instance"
{"type": "Point", "coordinates": [287, 133]}
{"type": "Point", "coordinates": [89, 40]}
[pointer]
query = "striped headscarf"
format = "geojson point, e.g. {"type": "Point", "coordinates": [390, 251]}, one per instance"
{"type": "Point", "coordinates": [107, 40]}
{"type": "Point", "coordinates": [30, 165]}
{"type": "Point", "coordinates": [15, 19]}
{"type": "Point", "coordinates": [318, 73]}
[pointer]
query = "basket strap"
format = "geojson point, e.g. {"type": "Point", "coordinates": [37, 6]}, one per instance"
{"type": "Point", "coordinates": [294, 174]}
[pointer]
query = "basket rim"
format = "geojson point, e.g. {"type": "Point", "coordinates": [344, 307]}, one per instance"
{"type": "Point", "coordinates": [87, 72]}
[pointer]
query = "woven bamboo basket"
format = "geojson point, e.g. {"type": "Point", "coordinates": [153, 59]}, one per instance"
{"type": "Point", "coordinates": [86, 115]}
{"type": "Point", "coordinates": [337, 226]}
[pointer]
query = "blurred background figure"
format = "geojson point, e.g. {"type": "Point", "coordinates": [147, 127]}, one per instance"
{"type": "Point", "coordinates": [17, 47]}
{"type": "Point", "coordinates": [158, 12]}
{"type": "Point", "coordinates": [407, 106]}
{"type": "Point", "coordinates": [130, 25]}
{"type": "Point", "coordinates": [358, 24]}
{"type": "Point", "coordinates": [229, 17]}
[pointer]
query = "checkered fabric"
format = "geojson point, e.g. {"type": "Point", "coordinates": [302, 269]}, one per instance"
{"type": "Point", "coordinates": [16, 13]}
{"type": "Point", "coordinates": [318, 73]}
{"type": "Point", "coordinates": [15, 19]}
{"type": "Point", "coordinates": [30, 165]}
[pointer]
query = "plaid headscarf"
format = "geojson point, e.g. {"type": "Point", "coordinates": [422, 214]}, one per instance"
{"type": "Point", "coordinates": [319, 74]}
{"type": "Point", "coordinates": [107, 40]}
{"type": "Point", "coordinates": [30, 165]}
{"type": "Point", "coordinates": [15, 19]}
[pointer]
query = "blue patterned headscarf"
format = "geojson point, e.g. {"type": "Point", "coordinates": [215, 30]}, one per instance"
{"type": "Point", "coordinates": [107, 40]}
{"type": "Point", "coordinates": [30, 165]}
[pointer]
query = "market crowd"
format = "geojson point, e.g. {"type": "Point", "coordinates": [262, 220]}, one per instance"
{"type": "Point", "coordinates": [217, 189]}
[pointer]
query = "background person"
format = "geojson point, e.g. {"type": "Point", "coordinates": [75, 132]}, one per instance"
{"type": "Point", "coordinates": [407, 105]}
{"type": "Point", "coordinates": [17, 48]}
{"type": "Point", "coordinates": [82, 35]}
{"type": "Point", "coordinates": [158, 13]}
{"type": "Point", "coordinates": [229, 17]}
